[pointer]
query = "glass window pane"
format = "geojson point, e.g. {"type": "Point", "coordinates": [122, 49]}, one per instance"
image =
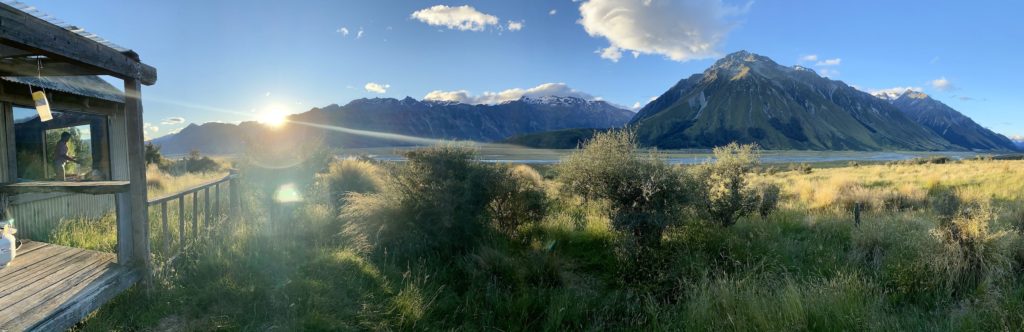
{"type": "Point", "coordinates": [73, 146]}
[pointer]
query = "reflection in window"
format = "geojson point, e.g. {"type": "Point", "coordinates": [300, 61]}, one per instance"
{"type": "Point", "coordinates": [73, 146]}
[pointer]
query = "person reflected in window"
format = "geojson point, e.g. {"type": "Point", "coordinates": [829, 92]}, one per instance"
{"type": "Point", "coordinates": [61, 157]}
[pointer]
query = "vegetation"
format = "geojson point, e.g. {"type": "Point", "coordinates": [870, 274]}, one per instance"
{"type": "Point", "coordinates": [444, 242]}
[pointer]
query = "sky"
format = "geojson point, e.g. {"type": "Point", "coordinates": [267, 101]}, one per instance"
{"type": "Point", "coordinates": [232, 61]}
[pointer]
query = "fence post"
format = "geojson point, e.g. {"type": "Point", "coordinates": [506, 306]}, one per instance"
{"type": "Point", "coordinates": [181, 221]}
{"type": "Point", "coordinates": [165, 238]}
{"type": "Point", "coordinates": [195, 214]}
{"type": "Point", "coordinates": [234, 201]}
{"type": "Point", "coordinates": [206, 207]}
{"type": "Point", "coordinates": [216, 202]}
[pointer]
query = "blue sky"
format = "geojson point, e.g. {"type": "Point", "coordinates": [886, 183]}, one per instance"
{"type": "Point", "coordinates": [233, 60]}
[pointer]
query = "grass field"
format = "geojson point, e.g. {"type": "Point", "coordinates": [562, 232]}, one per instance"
{"type": "Point", "coordinates": [806, 266]}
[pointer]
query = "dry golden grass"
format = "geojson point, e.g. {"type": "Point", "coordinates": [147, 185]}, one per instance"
{"type": "Point", "coordinates": [883, 186]}
{"type": "Point", "coordinates": [161, 183]}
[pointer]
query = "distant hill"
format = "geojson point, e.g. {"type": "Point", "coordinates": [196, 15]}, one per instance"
{"type": "Point", "coordinates": [394, 122]}
{"type": "Point", "coordinates": [948, 123]}
{"type": "Point", "coordinates": [1019, 141]}
{"type": "Point", "coordinates": [558, 139]}
{"type": "Point", "coordinates": [747, 97]}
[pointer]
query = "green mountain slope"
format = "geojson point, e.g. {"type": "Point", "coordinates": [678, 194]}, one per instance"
{"type": "Point", "coordinates": [746, 97]}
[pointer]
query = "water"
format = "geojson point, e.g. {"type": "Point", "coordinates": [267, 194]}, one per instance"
{"type": "Point", "coordinates": [519, 155]}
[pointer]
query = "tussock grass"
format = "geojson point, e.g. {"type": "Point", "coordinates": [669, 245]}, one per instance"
{"type": "Point", "coordinates": [919, 260]}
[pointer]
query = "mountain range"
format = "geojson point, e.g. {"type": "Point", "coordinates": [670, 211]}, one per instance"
{"type": "Point", "coordinates": [396, 122]}
{"type": "Point", "coordinates": [742, 97]}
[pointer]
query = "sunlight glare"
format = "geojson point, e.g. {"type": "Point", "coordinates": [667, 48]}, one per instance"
{"type": "Point", "coordinates": [274, 117]}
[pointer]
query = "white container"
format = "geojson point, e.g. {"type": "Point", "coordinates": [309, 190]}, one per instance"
{"type": "Point", "coordinates": [7, 243]}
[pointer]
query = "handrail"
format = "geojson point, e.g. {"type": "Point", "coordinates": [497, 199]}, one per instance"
{"type": "Point", "coordinates": [199, 210]}
{"type": "Point", "coordinates": [193, 189]}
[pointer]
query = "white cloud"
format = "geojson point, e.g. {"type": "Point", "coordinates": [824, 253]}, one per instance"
{"type": "Point", "coordinates": [942, 84]}
{"type": "Point", "coordinates": [359, 34]}
{"type": "Point", "coordinates": [149, 130]}
{"type": "Point", "coordinates": [1017, 138]}
{"type": "Point", "coordinates": [543, 90]}
{"type": "Point", "coordinates": [553, 12]}
{"type": "Point", "coordinates": [173, 120]}
{"type": "Point", "coordinates": [376, 87]}
{"type": "Point", "coordinates": [829, 62]}
{"type": "Point", "coordinates": [636, 106]}
{"type": "Point", "coordinates": [174, 131]}
{"type": "Point", "coordinates": [515, 26]}
{"type": "Point", "coordinates": [681, 30]}
{"type": "Point", "coordinates": [343, 31]}
{"type": "Point", "coordinates": [809, 58]}
{"type": "Point", "coordinates": [463, 18]}
{"type": "Point", "coordinates": [611, 53]}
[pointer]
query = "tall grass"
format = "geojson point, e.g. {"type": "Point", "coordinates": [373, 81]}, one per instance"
{"type": "Point", "coordinates": [804, 266]}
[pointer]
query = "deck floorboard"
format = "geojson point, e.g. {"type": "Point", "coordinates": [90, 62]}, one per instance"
{"type": "Point", "coordinates": [50, 287]}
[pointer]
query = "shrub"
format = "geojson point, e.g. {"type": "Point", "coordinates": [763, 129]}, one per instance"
{"type": "Point", "coordinates": [804, 168]}
{"type": "Point", "coordinates": [349, 175]}
{"type": "Point", "coordinates": [645, 193]}
{"type": "Point", "coordinates": [436, 202]}
{"type": "Point", "coordinates": [196, 163]}
{"type": "Point", "coordinates": [725, 197]}
{"type": "Point", "coordinates": [767, 199]}
{"type": "Point", "coordinates": [975, 254]}
{"type": "Point", "coordinates": [519, 198]}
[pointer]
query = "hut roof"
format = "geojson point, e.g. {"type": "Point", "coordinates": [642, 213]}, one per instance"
{"type": "Point", "coordinates": [88, 86]}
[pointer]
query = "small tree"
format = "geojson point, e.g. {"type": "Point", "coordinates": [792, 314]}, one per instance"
{"type": "Point", "coordinates": [725, 197]}
{"type": "Point", "coordinates": [646, 194]}
{"type": "Point", "coordinates": [152, 154]}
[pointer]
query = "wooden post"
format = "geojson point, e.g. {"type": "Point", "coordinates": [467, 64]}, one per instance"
{"type": "Point", "coordinates": [216, 201]}
{"type": "Point", "coordinates": [206, 208]}
{"type": "Point", "coordinates": [138, 232]}
{"type": "Point", "coordinates": [234, 201]}
{"type": "Point", "coordinates": [195, 214]}
{"type": "Point", "coordinates": [856, 214]}
{"type": "Point", "coordinates": [122, 202]}
{"type": "Point", "coordinates": [181, 221]}
{"type": "Point", "coordinates": [165, 238]}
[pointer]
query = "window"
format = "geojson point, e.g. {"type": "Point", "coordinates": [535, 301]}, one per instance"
{"type": "Point", "coordinates": [73, 146]}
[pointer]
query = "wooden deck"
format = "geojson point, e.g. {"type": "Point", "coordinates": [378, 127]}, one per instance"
{"type": "Point", "coordinates": [50, 287]}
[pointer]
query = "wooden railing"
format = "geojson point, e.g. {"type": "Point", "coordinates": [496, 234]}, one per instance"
{"type": "Point", "coordinates": [209, 217]}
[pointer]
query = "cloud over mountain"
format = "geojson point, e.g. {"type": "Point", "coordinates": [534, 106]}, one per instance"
{"type": "Point", "coordinates": [376, 87]}
{"type": "Point", "coordinates": [681, 30]}
{"type": "Point", "coordinates": [491, 98]}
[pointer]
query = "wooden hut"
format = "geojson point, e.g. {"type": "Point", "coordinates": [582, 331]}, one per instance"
{"type": "Point", "coordinates": [50, 287]}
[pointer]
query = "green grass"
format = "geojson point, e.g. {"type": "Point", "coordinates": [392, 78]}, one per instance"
{"type": "Point", "coordinates": [806, 267]}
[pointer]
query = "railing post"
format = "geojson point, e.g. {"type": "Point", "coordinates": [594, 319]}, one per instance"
{"type": "Point", "coordinates": [165, 238]}
{"type": "Point", "coordinates": [234, 201]}
{"type": "Point", "coordinates": [181, 221]}
{"type": "Point", "coordinates": [206, 207]}
{"type": "Point", "coordinates": [216, 201]}
{"type": "Point", "coordinates": [195, 214]}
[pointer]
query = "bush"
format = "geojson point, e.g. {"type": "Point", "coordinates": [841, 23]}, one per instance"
{"type": "Point", "coordinates": [804, 168]}
{"type": "Point", "coordinates": [519, 198]}
{"type": "Point", "coordinates": [200, 164]}
{"type": "Point", "coordinates": [976, 254]}
{"type": "Point", "coordinates": [767, 199]}
{"type": "Point", "coordinates": [725, 196]}
{"type": "Point", "coordinates": [645, 193]}
{"type": "Point", "coordinates": [436, 202]}
{"type": "Point", "coordinates": [347, 176]}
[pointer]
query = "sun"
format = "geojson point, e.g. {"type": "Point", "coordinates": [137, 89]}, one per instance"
{"type": "Point", "coordinates": [274, 117]}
